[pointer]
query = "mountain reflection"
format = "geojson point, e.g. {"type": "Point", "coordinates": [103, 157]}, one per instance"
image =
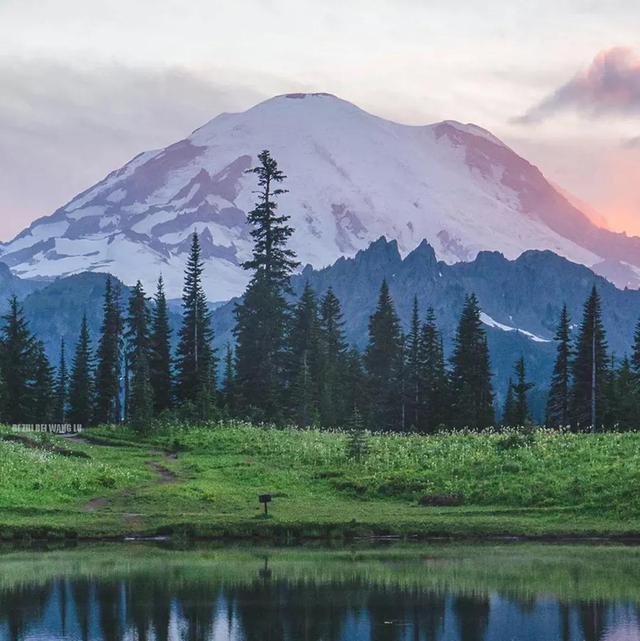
{"type": "Point", "coordinates": [172, 606]}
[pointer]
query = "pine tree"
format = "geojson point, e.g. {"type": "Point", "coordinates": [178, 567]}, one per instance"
{"type": "Point", "coordinates": [357, 443]}
{"type": "Point", "coordinates": [140, 394]}
{"type": "Point", "coordinates": [304, 360]}
{"type": "Point", "coordinates": [384, 362]}
{"type": "Point", "coordinates": [43, 386]}
{"type": "Point", "coordinates": [558, 402]}
{"type": "Point", "coordinates": [434, 383]}
{"type": "Point", "coordinates": [521, 390]}
{"type": "Point", "coordinates": [108, 371]}
{"type": "Point", "coordinates": [61, 388]}
{"type": "Point", "coordinates": [17, 361]}
{"type": "Point", "coordinates": [262, 316]}
{"type": "Point", "coordinates": [635, 354]}
{"type": "Point", "coordinates": [160, 353]}
{"type": "Point", "coordinates": [414, 388]}
{"type": "Point", "coordinates": [508, 410]}
{"type": "Point", "coordinates": [588, 399]}
{"type": "Point", "coordinates": [354, 385]}
{"type": "Point", "coordinates": [81, 382]}
{"type": "Point", "coordinates": [472, 391]}
{"type": "Point", "coordinates": [334, 407]}
{"type": "Point", "coordinates": [228, 381]}
{"type": "Point", "coordinates": [196, 363]}
{"type": "Point", "coordinates": [626, 413]}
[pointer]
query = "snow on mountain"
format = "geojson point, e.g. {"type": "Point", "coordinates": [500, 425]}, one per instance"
{"type": "Point", "coordinates": [352, 177]}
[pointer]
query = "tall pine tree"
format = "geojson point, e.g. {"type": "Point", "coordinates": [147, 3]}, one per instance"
{"type": "Point", "coordinates": [558, 402]}
{"type": "Point", "coordinates": [43, 386]}
{"type": "Point", "coordinates": [521, 389]}
{"type": "Point", "coordinates": [17, 349]}
{"type": "Point", "coordinates": [590, 368]}
{"type": "Point", "coordinates": [262, 316]}
{"type": "Point", "coordinates": [160, 352]}
{"type": "Point", "coordinates": [434, 382]}
{"type": "Point", "coordinates": [413, 386]}
{"type": "Point", "coordinates": [140, 396]}
{"type": "Point", "coordinates": [335, 409]}
{"type": "Point", "coordinates": [81, 382]}
{"type": "Point", "coordinates": [508, 409]}
{"type": "Point", "coordinates": [61, 390]}
{"type": "Point", "coordinates": [109, 368]}
{"type": "Point", "coordinates": [304, 360]}
{"type": "Point", "coordinates": [384, 365]}
{"type": "Point", "coordinates": [472, 391]}
{"type": "Point", "coordinates": [196, 362]}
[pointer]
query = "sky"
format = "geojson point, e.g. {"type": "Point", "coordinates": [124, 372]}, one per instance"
{"type": "Point", "coordinates": [85, 85]}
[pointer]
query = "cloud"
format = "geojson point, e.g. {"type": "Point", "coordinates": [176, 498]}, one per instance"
{"type": "Point", "coordinates": [64, 128]}
{"type": "Point", "coordinates": [632, 143]}
{"type": "Point", "coordinates": [610, 85]}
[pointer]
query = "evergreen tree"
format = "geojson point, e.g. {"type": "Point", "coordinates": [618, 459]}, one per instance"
{"type": "Point", "coordinates": [626, 398]}
{"type": "Point", "coordinates": [508, 411]}
{"type": "Point", "coordinates": [262, 316]}
{"type": "Point", "coordinates": [354, 385]}
{"type": "Point", "coordinates": [558, 402]}
{"type": "Point", "coordinates": [228, 380]}
{"type": "Point", "coordinates": [384, 363]}
{"type": "Point", "coordinates": [304, 360]}
{"type": "Point", "coordinates": [521, 390]}
{"type": "Point", "coordinates": [588, 401]}
{"type": "Point", "coordinates": [17, 362]}
{"type": "Point", "coordinates": [81, 382]}
{"type": "Point", "coordinates": [472, 391]}
{"type": "Point", "coordinates": [334, 407]}
{"type": "Point", "coordinates": [108, 372]}
{"type": "Point", "coordinates": [140, 393]}
{"type": "Point", "coordinates": [61, 388]}
{"type": "Point", "coordinates": [414, 387]}
{"type": "Point", "coordinates": [196, 363]}
{"type": "Point", "coordinates": [357, 443]}
{"type": "Point", "coordinates": [635, 354]}
{"type": "Point", "coordinates": [160, 352]}
{"type": "Point", "coordinates": [43, 386]}
{"type": "Point", "coordinates": [434, 383]}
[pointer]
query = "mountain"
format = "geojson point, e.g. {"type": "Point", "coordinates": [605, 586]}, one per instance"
{"type": "Point", "coordinates": [352, 178]}
{"type": "Point", "coordinates": [11, 285]}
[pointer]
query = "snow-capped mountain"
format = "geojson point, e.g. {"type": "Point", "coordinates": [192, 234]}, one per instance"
{"type": "Point", "coordinates": [352, 177]}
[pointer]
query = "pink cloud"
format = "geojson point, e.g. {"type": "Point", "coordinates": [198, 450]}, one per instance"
{"type": "Point", "coordinates": [611, 84]}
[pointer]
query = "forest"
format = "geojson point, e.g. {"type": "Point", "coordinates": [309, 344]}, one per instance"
{"type": "Point", "coordinates": [290, 363]}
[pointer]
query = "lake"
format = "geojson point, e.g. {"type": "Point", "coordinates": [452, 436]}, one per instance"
{"type": "Point", "coordinates": [415, 592]}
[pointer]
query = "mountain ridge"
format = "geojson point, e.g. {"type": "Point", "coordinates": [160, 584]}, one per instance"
{"type": "Point", "coordinates": [352, 177]}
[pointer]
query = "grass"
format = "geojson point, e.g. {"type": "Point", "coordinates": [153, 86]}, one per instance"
{"type": "Point", "coordinates": [511, 484]}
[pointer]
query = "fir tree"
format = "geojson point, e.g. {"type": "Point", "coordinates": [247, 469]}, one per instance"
{"type": "Point", "coordinates": [626, 398]}
{"type": "Point", "coordinates": [262, 316]}
{"type": "Point", "coordinates": [384, 362]}
{"type": "Point", "coordinates": [196, 363]}
{"type": "Point", "coordinates": [521, 390]}
{"type": "Point", "coordinates": [558, 402]}
{"type": "Point", "coordinates": [140, 393]}
{"type": "Point", "coordinates": [304, 360]}
{"type": "Point", "coordinates": [17, 361]}
{"type": "Point", "coordinates": [357, 443]}
{"type": "Point", "coordinates": [434, 384]}
{"type": "Point", "coordinates": [160, 352]}
{"type": "Point", "coordinates": [354, 385]}
{"type": "Point", "coordinates": [228, 380]}
{"type": "Point", "coordinates": [472, 391]}
{"type": "Point", "coordinates": [81, 383]}
{"type": "Point", "coordinates": [508, 410]}
{"type": "Point", "coordinates": [635, 354]}
{"type": "Point", "coordinates": [334, 407]}
{"type": "Point", "coordinates": [414, 391]}
{"type": "Point", "coordinates": [109, 367]}
{"type": "Point", "coordinates": [43, 386]}
{"type": "Point", "coordinates": [588, 401]}
{"type": "Point", "coordinates": [61, 388]}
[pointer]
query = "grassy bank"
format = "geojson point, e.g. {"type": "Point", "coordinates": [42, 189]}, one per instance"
{"type": "Point", "coordinates": [116, 483]}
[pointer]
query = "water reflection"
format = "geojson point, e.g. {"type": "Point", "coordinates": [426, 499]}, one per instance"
{"type": "Point", "coordinates": [198, 603]}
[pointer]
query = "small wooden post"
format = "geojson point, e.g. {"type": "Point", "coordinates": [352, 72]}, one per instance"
{"type": "Point", "coordinates": [265, 499]}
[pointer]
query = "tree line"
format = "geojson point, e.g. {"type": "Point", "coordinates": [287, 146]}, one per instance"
{"type": "Point", "coordinates": [291, 361]}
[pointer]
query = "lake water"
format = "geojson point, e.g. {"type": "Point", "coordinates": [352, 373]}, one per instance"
{"type": "Point", "coordinates": [403, 593]}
